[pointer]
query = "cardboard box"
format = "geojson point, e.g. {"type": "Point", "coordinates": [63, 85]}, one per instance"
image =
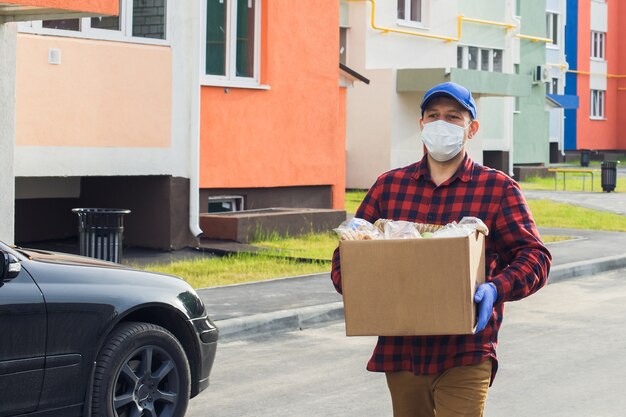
{"type": "Point", "coordinates": [411, 286]}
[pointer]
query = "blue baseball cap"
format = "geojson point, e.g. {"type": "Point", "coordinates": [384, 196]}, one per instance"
{"type": "Point", "coordinates": [452, 90]}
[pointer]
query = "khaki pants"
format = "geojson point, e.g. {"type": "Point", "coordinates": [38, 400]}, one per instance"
{"type": "Point", "coordinates": [456, 392]}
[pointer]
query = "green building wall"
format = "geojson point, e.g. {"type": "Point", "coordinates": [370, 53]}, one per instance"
{"type": "Point", "coordinates": [531, 122]}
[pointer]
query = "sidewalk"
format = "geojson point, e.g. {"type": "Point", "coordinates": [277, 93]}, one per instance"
{"type": "Point", "coordinates": [612, 202]}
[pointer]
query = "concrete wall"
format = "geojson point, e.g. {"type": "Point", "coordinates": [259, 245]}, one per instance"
{"type": "Point", "coordinates": [8, 35]}
{"type": "Point", "coordinates": [259, 198]}
{"type": "Point", "coordinates": [156, 203]}
{"type": "Point", "coordinates": [369, 128]}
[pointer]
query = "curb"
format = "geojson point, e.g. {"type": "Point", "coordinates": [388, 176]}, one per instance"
{"type": "Point", "coordinates": [279, 321]}
{"type": "Point", "coordinates": [584, 268]}
{"type": "Point", "coordinates": [305, 317]}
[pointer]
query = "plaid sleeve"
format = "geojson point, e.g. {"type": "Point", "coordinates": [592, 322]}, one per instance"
{"type": "Point", "coordinates": [335, 273]}
{"type": "Point", "coordinates": [519, 246]}
{"type": "Point", "coordinates": [368, 210]}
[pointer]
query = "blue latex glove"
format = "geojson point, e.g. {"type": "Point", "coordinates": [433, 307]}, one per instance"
{"type": "Point", "coordinates": [485, 296]}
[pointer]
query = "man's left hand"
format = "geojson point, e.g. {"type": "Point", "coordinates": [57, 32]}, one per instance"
{"type": "Point", "coordinates": [485, 296]}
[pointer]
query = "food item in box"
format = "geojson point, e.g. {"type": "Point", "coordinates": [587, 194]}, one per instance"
{"type": "Point", "coordinates": [466, 227]}
{"type": "Point", "coordinates": [476, 224]}
{"type": "Point", "coordinates": [358, 229]}
{"type": "Point", "coordinates": [397, 229]}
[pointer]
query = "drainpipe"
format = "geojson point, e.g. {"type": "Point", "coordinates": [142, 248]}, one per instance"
{"type": "Point", "coordinates": [194, 126]}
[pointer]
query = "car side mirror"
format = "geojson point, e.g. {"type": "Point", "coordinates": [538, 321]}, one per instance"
{"type": "Point", "coordinates": [10, 267]}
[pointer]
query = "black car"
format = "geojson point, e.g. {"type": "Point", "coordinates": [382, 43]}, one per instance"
{"type": "Point", "coordinates": [83, 337]}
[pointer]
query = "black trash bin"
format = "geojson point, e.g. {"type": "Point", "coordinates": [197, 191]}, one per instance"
{"type": "Point", "coordinates": [609, 175]}
{"type": "Point", "coordinates": [585, 157]}
{"type": "Point", "coordinates": [100, 232]}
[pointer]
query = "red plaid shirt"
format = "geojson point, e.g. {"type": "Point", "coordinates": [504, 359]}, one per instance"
{"type": "Point", "coordinates": [516, 260]}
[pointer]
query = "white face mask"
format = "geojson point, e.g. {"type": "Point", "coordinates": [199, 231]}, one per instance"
{"type": "Point", "coordinates": [443, 140]}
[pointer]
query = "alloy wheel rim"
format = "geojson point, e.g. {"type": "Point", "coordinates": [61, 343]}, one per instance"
{"type": "Point", "coordinates": [147, 384]}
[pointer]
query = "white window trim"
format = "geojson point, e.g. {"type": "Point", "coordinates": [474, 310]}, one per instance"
{"type": "Point", "coordinates": [125, 34]}
{"type": "Point", "coordinates": [602, 36]}
{"type": "Point", "coordinates": [601, 116]}
{"type": "Point", "coordinates": [465, 58]}
{"type": "Point", "coordinates": [407, 12]}
{"type": "Point", "coordinates": [550, 35]}
{"type": "Point", "coordinates": [412, 24]}
{"type": "Point", "coordinates": [231, 80]}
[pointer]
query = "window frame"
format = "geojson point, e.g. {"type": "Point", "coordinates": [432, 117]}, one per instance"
{"type": "Point", "coordinates": [343, 45]}
{"type": "Point", "coordinates": [598, 45]}
{"type": "Point", "coordinates": [124, 34]}
{"type": "Point", "coordinates": [552, 28]}
{"type": "Point", "coordinates": [480, 51]}
{"type": "Point", "coordinates": [230, 79]}
{"type": "Point", "coordinates": [597, 105]}
{"type": "Point", "coordinates": [408, 8]}
{"type": "Point", "coordinates": [553, 86]}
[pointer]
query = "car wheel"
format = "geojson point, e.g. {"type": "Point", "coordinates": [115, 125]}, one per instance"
{"type": "Point", "coordinates": [142, 370]}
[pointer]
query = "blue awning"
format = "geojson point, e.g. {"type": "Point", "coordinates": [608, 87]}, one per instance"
{"type": "Point", "coordinates": [562, 101]}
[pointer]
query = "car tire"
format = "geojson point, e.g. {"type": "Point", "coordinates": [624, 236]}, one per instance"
{"type": "Point", "coordinates": [142, 370]}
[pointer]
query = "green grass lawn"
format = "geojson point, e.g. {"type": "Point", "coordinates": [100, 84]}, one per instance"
{"type": "Point", "coordinates": [310, 246]}
{"type": "Point", "coordinates": [573, 182]}
{"type": "Point", "coordinates": [278, 259]}
{"type": "Point", "coordinates": [353, 200]}
{"type": "Point", "coordinates": [235, 269]}
{"type": "Point", "coordinates": [551, 214]}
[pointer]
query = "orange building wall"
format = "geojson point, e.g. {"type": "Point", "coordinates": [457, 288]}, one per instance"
{"type": "Point", "coordinates": [294, 133]}
{"type": "Point", "coordinates": [617, 17]}
{"type": "Point", "coordinates": [602, 134]}
{"type": "Point", "coordinates": [92, 6]}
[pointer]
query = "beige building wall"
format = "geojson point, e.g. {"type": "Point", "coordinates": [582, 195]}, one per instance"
{"type": "Point", "coordinates": [369, 128]}
{"type": "Point", "coordinates": [105, 108]}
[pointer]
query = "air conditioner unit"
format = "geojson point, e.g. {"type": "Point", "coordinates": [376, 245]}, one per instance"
{"type": "Point", "coordinates": [541, 74]}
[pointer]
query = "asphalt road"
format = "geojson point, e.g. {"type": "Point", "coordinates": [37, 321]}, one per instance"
{"type": "Point", "coordinates": [561, 355]}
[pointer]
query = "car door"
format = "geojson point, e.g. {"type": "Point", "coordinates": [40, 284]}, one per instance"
{"type": "Point", "coordinates": [22, 343]}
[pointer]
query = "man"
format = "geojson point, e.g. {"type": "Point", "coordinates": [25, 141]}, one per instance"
{"type": "Point", "coordinates": [450, 375]}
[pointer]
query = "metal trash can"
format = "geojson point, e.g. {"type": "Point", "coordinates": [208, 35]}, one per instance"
{"type": "Point", "coordinates": [585, 157]}
{"type": "Point", "coordinates": [100, 232]}
{"type": "Point", "coordinates": [609, 175]}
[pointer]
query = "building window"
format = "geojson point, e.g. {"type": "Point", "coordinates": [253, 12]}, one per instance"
{"type": "Point", "coordinates": [597, 104]}
{"type": "Point", "coordinates": [496, 55]}
{"type": "Point", "coordinates": [553, 86]}
{"type": "Point", "coordinates": [343, 45]}
{"type": "Point", "coordinates": [148, 18]}
{"type": "Point", "coordinates": [552, 27]}
{"type": "Point", "coordinates": [410, 10]}
{"type": "Point", "coordinates": [143, 21]}
{"type": "Point", "coordinates": [232, 33]}
{"type": "Point", "coordinates": [106, 23]}
{"type": "Point", "coordinates": [481, 59]}
{"type": "Point", "coordinates": [62, 24]}
{"type": "Point", "coordinates": [597, 44]}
